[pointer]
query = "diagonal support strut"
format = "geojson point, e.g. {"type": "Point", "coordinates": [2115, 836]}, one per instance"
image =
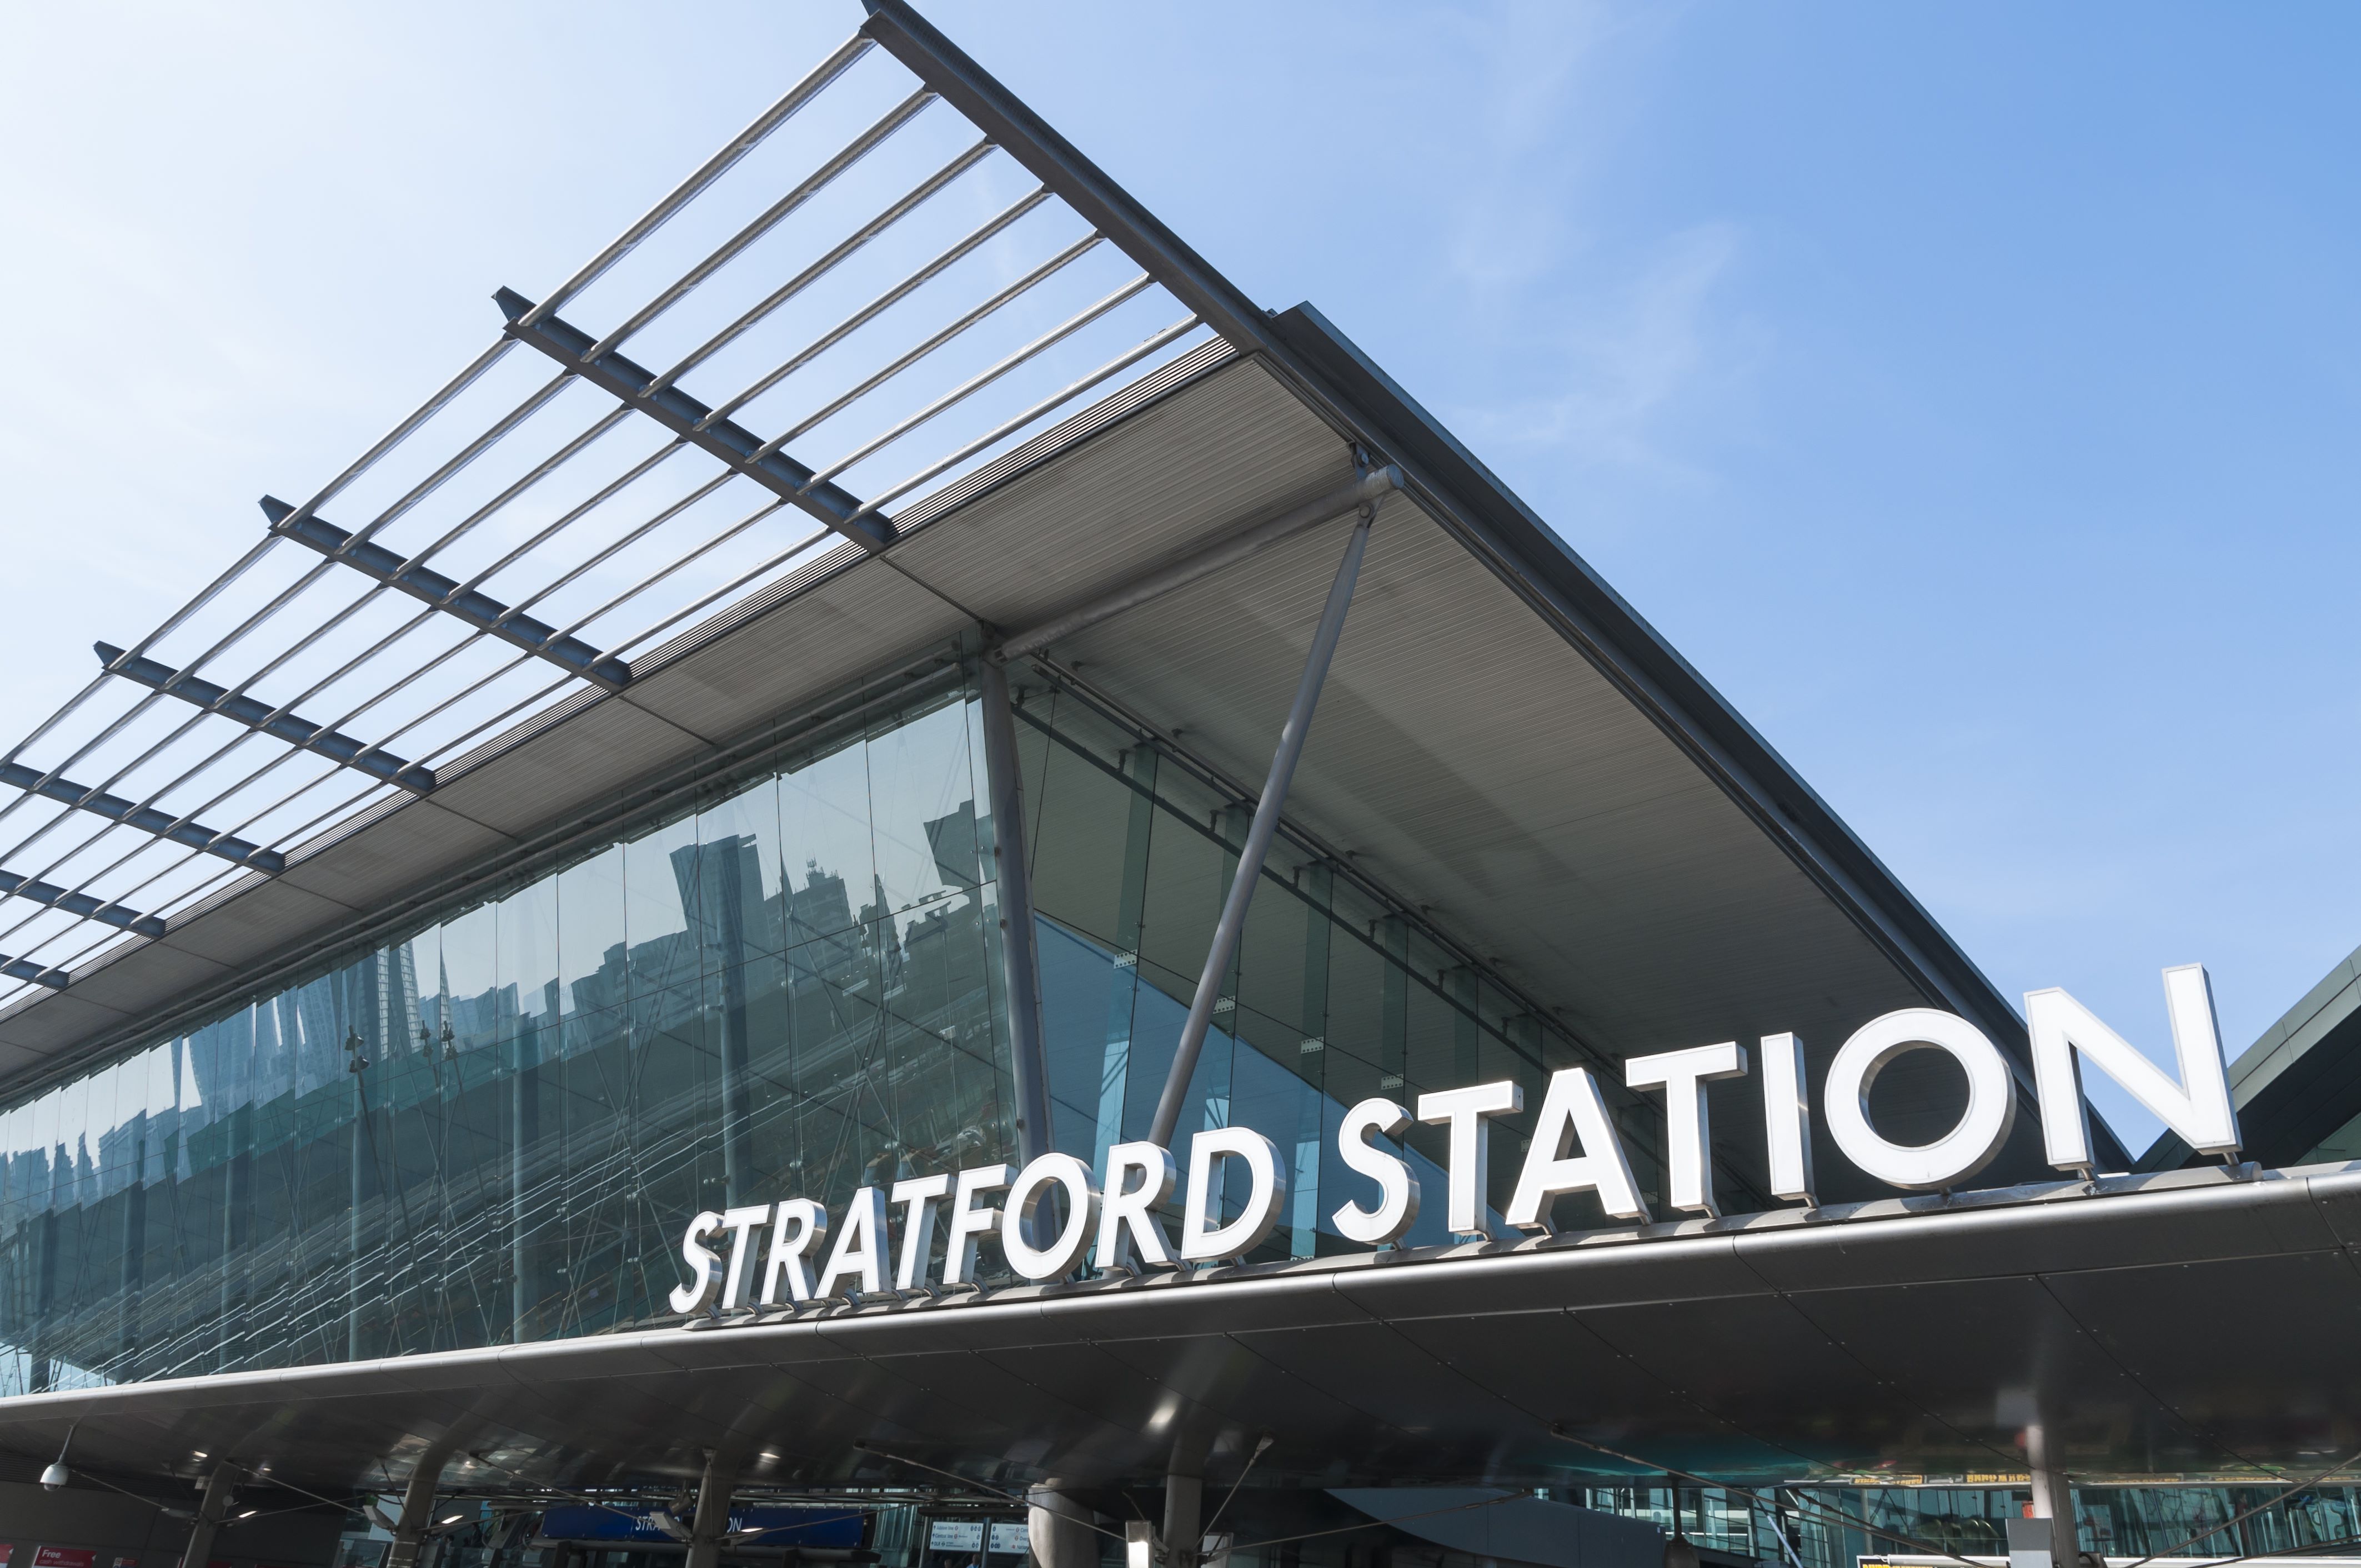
{"type": "Point", "coordinates": [738, 448]}
{"type": "Point", "coordinates": [1256, 849]}
{"type": "Point", "coordinates": [479, 610]}
{"type": "Point", "coordinates": [146, 818]}
{"type": "Point", "coordinates": [256, 714]}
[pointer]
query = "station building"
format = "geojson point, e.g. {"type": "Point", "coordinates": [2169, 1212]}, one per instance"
{"type": "Point", "coordinates": [898, 688]}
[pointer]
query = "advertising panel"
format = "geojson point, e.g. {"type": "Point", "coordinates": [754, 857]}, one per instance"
{"type": "Point", "coordinates": [955, 1535]}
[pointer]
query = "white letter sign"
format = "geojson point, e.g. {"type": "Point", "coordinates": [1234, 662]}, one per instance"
{"type": "Point", "coordinates": [860, 1247]}
{"type": "Point", "coordinates": [1466, 1110]}
{"type": "Point", "coordinates": [704, 1268]}
{"type": "Point", "coordinates": [2065, 1034]}
{"type": "Point", "coordinates": [1787, 1119]}
{"type": "Point", "coordinates": [1689, 1132]}
{"type": "Point", "coordinates": [1959, 1154]}
{"type": "Point", "coordinates": [1396, 1209]}
{"type": "Point", "coordinates": [1573, 1113]}
{"type": "Point", "coordinates": [1129, 1232]}
{"type": "Point", "coordinates": [1056, 1259]}
{"type": "Point", "coordinates": [1267, 1188]}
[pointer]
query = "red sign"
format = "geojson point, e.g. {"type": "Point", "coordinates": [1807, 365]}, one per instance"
{"type": "Point", "coordinates": [64, 1557]}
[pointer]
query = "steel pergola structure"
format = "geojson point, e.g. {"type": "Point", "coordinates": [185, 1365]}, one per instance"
{"type": "Point", "coordinates": [869, 298]}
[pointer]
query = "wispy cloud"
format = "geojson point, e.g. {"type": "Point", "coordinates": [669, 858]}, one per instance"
{"type": "Point", "coordinates": [1591, 335]}
{"type": "Point", "coordinates": [1623, 363]}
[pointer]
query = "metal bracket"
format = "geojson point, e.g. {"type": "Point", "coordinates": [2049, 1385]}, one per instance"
{"type": "Point", "coordinates": [79, 904]}
{"type": "Point", "coordinates": [477, 609]}
{"type": "Point", "coordinates": [39, 974]}
{"type": "Point", "coordinates": [739, 448]}
{"type": "Point", "coordinates": [256, 714]}
{"type": "Point", "coordinates": [146, 818]}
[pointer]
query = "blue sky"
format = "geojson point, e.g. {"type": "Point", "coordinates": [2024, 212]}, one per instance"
{"type": "Point", "coordinates": [1970, 391]}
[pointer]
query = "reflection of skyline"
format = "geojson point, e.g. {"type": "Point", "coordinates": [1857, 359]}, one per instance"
{"type": "Point", "coordinates": [725, 919]}
{"type": "Point", "coordinates": [297, 1040]}
{"type": "Point", "coordinates": [490, 1160]}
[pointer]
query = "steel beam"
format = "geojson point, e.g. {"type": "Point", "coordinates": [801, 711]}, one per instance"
{"type": "Point", "coordinates": [1366, 490]}
{"type": "Point", "coordinates": [1020, 962]}
{"type": "Point", "coordinates": [1259, 834]}
{"type": "Point", "coordinates": [256, 714]}
{"type": "Point", "coordinates": [738, 448]}
{"type": "Point", "coordinates": [146, 818]}
{"type": "Point", "coordinates": [80, 904]}
{"type": "Point", "coordinates": [479, 610]}
{"type": "Point", "coordinates": [39, 974]}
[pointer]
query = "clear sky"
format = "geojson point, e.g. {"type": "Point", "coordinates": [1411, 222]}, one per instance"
{"type": "Point", "coordinates": [1972, 391]}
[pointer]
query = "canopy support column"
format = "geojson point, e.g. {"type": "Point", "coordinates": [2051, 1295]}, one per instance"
{"type": "Point", "coordinates": [2053, 1508]}
{"type": "Point", "coordinates": [1020, 962]}
{"type": "Point", "coordinates": [712, 1520]}
{"type": "Point", "coordinates": [1185, 1502]}
{"type": "Point", "coordinates": [1259, 834]}
{"type": "Point", "coordinates": [1058, 1531]}
{"type": "Point", "coordinates": [211, 1508]}
{"type": "Point", "coordinates": [417, 1505]}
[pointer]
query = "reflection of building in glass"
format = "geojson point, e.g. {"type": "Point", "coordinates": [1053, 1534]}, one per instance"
{"type": "Point", "coordinates": [512, 1159]}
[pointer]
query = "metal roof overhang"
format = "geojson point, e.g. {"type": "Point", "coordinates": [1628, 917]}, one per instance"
{"type": "Point", "coordinates": [1903, 1337]}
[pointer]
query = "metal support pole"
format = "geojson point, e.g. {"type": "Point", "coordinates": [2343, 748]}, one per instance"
{"type": "Point", "coordinates": [712, 1520]}
{"type": "Point", "coordinates": [210, 1509]}
{"type": "Point", "coordinates": [1020, 962]}
{"type": "Point", "coordinates": [417, 1507]}
{"type": "Point", "coordinates": [1057, 1530]}
{"type": "Point", "coordinates": [1184, 1501]}
{"type": "Point", "coordinates": [1259, 834]}
{"type": "Point", "coordinates": [2053, 1496]}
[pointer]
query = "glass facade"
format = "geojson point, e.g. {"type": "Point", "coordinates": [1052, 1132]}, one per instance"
{"type": "Point", "coordinates": [493, 1128]}
{"type": "Point", "coordinates": [1804, 1526]}
{"type": "Point", "coordinates": [1335, 995]}
{"type": "Point", "coordinates": [784, 982]}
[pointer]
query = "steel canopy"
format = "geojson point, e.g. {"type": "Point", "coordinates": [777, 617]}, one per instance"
{"type": "Point", "coordinates": [1901, 1338]}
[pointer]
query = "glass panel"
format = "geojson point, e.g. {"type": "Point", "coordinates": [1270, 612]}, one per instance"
{"type": "Point", "coordinates": [782, 982]}
{"type": "Point", "coordinates": [493, 1129]}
